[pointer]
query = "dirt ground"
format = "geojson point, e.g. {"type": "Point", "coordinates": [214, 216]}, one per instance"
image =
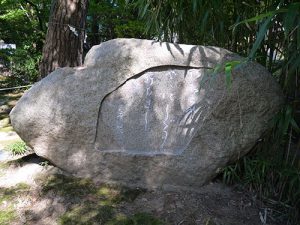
{"type": "Point", "coordinates": [33, 192]}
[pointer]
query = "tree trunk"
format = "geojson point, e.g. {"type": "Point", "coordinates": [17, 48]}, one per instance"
{"type": "Point", "coordinates": [65, 35]}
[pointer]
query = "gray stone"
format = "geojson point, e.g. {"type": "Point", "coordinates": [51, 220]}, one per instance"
{"type": "Point", "coordinates": [148, 114]}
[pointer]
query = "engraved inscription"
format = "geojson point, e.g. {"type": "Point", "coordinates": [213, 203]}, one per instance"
{"type": "Point", "coordinates": [157, 113]}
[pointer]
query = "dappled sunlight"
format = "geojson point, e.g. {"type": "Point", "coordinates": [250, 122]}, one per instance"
{"type": "Point", "coordinates": [72, 6]}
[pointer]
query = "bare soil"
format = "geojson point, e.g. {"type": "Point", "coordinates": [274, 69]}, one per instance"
{"type": "Point", "coordinates": [38, 193]}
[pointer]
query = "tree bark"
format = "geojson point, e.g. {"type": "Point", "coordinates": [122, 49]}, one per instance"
{"type": "Point", "coordinates": [65, 35]}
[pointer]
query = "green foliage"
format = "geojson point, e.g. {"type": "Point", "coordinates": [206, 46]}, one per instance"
{"type": "Point", "coordinates": [8, 214]}
{"type": "Point", "coordinates": [113, 19]}
{"type": "Point", "coordinates": [17, 148]}
{"type": "Point", "coordinates": [200, 21]}
{"type": "Point", "coordinates": [273, 171]}
{"type": "Point", "coordinates": [23, 23]}
{"type": "Point", "coordinates": [23, 67]}
{"type": "Point", "coordinates": [23, 20]}
{"type": "Point", "coordinates": [277, 43]}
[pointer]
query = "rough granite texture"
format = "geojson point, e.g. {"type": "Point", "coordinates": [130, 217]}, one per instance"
{"type": "Point", "coordinates": [148, 114]}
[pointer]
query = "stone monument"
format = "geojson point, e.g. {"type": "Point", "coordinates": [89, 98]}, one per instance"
{"type": "Point", "coordinates": [148, 114]}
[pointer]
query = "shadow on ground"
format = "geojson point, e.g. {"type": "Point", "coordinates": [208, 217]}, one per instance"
{"type": "Point", "coordinates": [55, 197]}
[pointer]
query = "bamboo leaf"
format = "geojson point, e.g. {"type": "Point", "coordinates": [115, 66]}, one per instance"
{"type": "Point", "coordinates": [204, 21]}
{"type": "Point", "coordinates": [290, 17]}
{"type": "Point", "coordinates": [194, 5]}
{"type": "Point", "coordinates": [294, 64]}
{"type": "Point", "coordinates": [235, 63]}
{"type": "Point", "coordinates": [143, 12]}
{"type": "Point", "coordinates": [259, 17]}
{"type": "Point", "coordinates": [298, 34]}
{"type": "Point", "coordinates": [229, 66]}
{"type": "Point", "coordinates": [228, 74]}
{"type": "Point", "coordinates": [287, 119]}
{"type": "Point", "coordinates": [295, 125]}
{"type": "Point", "coordinates": [260, 36]}
{"type": "Point", "coordinates": [217, 68]}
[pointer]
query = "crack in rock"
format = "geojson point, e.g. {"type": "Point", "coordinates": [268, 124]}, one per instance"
{"type": "Point", "coordinates": [137, 76]}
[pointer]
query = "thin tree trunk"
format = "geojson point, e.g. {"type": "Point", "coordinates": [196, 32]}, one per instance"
{"type": "Point", "coordinates": [65, 35]}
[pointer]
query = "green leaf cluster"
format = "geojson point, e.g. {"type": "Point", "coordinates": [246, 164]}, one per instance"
{"type": "Point", "coordinates": [113, 19]}
{"type": "Point", "coordinates": [23, 22]}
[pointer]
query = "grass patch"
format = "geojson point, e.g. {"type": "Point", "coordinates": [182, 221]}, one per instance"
{"type": "Point", "coordinates": [8, 194]}
{"type": "Point", "coordinates": [7, 216]}
{"type": "Point", "coordinates": [9, 141]}
{"type": "Point", "coordinates": [11, 96]}
{"type": "Point", "coordinates": [93, 204]}
{"type": "Point", "coordinates": [7, 197]}
{"type": "Point", "coordinates": [111, 195]}
{"type": "Point", "coordinates": [17, 148]}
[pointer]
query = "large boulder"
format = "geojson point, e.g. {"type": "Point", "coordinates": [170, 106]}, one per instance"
{"type": "Point", "coordinates": [148, 114]}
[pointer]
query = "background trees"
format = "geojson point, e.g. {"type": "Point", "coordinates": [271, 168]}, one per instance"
{"type": "Point", "coordinates": [112, 19]}
{"type": "Point", "coordinates": [24, 24]}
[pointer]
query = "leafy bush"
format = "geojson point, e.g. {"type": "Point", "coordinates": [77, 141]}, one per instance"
{"type": "Point", "coordinates": [17, 148]}
{"type": "Point", "coordinates": [24, 66]}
